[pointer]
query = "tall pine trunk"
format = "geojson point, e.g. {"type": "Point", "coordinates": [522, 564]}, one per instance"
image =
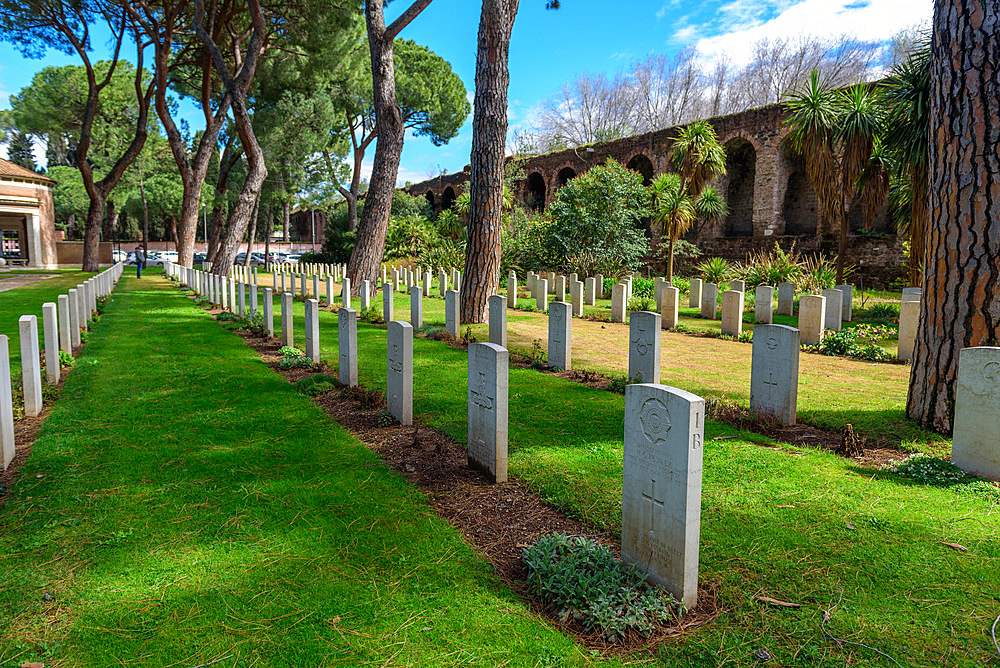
{"type": "Point", "coordinates": [369, 243]}
{"type": "Point", "coordinates": [961, 285]}
{"type": "Point", "coordinates": [286, 227]}
{"type": "Point", "coordinates": [489, 136]}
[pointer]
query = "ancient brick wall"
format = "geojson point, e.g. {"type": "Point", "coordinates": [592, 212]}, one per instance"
{"type": "Point", "coordinates": [765, 186]}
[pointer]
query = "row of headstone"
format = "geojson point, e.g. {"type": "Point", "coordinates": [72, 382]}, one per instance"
{"type": "Point", "coordinates": [909, 318]}
{"type": "Point", "coordinates": [62, 322]}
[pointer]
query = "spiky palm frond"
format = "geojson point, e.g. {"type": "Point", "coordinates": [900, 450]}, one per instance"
{"type": "Point", "coordinates": [858, 125]}
{"type": "Point", "coordinates": [710, 205]}
{"type": "Point", "coordinates": [697, 155]}
{"type": "Point", "coordinates": [812, 119]}
{"type": "Point", "coordinates": [906, 94]}
{"type": "Point", "coordinates": [874, 181]}
{"type": "Point", "coordinates": [673, 209]}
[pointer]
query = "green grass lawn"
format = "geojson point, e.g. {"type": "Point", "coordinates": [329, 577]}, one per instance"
{"type": "Point", "coordinates": [795, 524]}
{"type": "Point", "coordinates": [184, 503]}
{"type": "Point", "coordinates": [28, 300]}
{"type": "Point", "coordinates": [833, 391]}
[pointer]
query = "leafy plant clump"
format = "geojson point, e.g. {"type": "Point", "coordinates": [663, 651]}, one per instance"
{"type": "Point", "coordinates": [102, 304]}
{"type": "Point", "coordinates": [293, 358]}
{"type": "Point", "coordinates": [255, 324]}
{"type": "Point", "coordinates": [715, 270]}
{"type": "Point", "coordinates": [583, 580]}
{"type": "Point", "coordinates": [640, 303]}
{"type": "Point", "coordinates": [65, 359]}
{"type": "Point", "coordinates": [861, 342]}
{"type": "Point", "coordinates": [927, 470]}
{"type": "Point", "coordinates": [372, 314]}
{"type": "Point", "coordinates": [227, 316]}
{"type": "Point", "coordinates": [313, 386]}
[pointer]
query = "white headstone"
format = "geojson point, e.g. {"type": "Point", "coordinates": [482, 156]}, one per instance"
{"type": "Point", "coordinates": [345, 292]}
{"type": "Point", "coordinates": [254, 306]}
{"type": "Point", "coordinates": [909, 318]}
{"type": "Point", "coordinates": [512, 289]}
{"type": "Point", "coordinates": [709, 300]}
{"type": "Point", "coordinates": [347, 346]}
{"type": "Point", "coordinates": [442, 282]}
{"type": "Point", "coordinates": [763, 304]}
{"type": "Point", "coordinates": [812, 315]}
{"type": "Point", "coordinates": [416, 307]}
{"type": "Point", "coordinates": [834, 301]}
{"type": "Point", "coordinates": [427, 283]}
{"type": "Point", "coordinates": [6, 406]}
{"type": "Point", "coordinates": [774, 373]}
{"type": "Point", "coordinates": [669, 309]}
{"type": "Point", "coordinates": [694, 293]}
{"type": "Point", "coordinates": [311, 321]}
{"type": "Point", "coordinates": [400, 371]}
{"type": "Point", "coordinates": [644, 347]}
{"type": "Point", "coordinates": [732, 312]}
{"type": "Point", "coordinates": [661, 486]}
{"type": "Point", "coordinates": [498, 320]}
{"type": "Point", "coordinates": [488, 394]}
{"type": "Point", "coordinates": [31, 370]}
{"type": "Point", "coordinates": [560, 289]}
{"type": "Point", "coordinates": [618, 302]}
{"type": "Point", "coordinates": [329, 291]}
{"type": "Point", "coordinates": [74, 317]}
{"type": "Point", "coordinates": [365, 288]}
{"type": "Point", "coordinates": [786, 298]}
{"type": "Point", "coordinates": [975, 447]}
{"type": "Point", "coordinates": [738, 286]}
{"type": "Point", "coordinates": [561, 335]}
{"type": "Point", "coordinates": [287, 337]}
{"type": "Point", "coordinates": [269, 311]}
{"type": "Point", "coordinates": [600, 285]}
{"type": "Point", "coordinates": [590, 293]}
{"type": "Point", "coordinates": [542, 294]}
{"type": "Point", "coordinates": [576, 288]}
{"type": "Point", "coordinates": [452, 321]}
{"type": "Point", "coordinates": [242, 300]}
{"type": "Point", "coordinates": [848, 290]}
{"type": "Point", "coordinates": [387, 303]}
{"type": "Point", "coordinates": [50, 325]}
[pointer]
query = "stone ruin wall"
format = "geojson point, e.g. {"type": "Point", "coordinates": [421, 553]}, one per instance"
{"type": "Point", "coordinates": [765, 186]}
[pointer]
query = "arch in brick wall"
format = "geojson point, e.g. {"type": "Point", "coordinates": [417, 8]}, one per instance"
{"type": "Point", "coordinates": [429, 196]}
{"type": "Point", "coordinates": [448, 198]}
{"type": "Point", "coordinates": [642, 164]}
{"type": "Point", "coordinates": [800, 207]}
{"type": "Point", "coordinates": [564, 175]}
{"type": "Point", "coordinates": [534, 191]}
{"type": "Point", "coordinates": [741, 174]}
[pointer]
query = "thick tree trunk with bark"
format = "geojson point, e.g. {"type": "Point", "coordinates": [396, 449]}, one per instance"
{"type": "Point", "coordinates": [110, 221]}
{"type": "Point", "coordinates": [489, 137]}
{"type": "Point", "coordinates": [92, 232]}
{"type": "Point", "coordinates": [252, 236]}
{"type": "Point", "coordinates": [369, 243]}
{"type": "Point", "coordinates": [918, 223]}
{"type": "Point", "coordinates": [961, 285]}
{"type": "Point", "coordinates": [286, 225]}
{"type": "Point", "coordinates": [230, 157]}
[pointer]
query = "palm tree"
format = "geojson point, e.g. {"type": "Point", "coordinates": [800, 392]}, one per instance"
{"type": "Point", "coordinates": [907, 95]}
{"type": "Point", "coordinates": [836, 131]}
{"type": "Point", "coordinates": [697, 156]}
{"type": "Point", "coordinates": [675, 210]}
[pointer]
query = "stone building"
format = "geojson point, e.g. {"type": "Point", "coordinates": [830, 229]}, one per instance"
{"type": "Point", "coordinates": [27, 218]}
{"type": "Point", "coordinates": [765, 185]}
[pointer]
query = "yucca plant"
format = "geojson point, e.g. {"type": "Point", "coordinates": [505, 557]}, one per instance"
{"type": "Point", "coordinates": [697, 156]}
{"type": "Point", "coordinates": [715, 270]}
{"type": "Point", "coordinates": [771, 267]}
{"type": "Point", "coordinates": [819, 273]}
{"type": "Point", "coordinates": [835, 132]}
{"type": "Point", "coordinates": [675, 210]}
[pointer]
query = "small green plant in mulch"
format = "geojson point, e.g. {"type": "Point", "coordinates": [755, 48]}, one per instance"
{"type": "Point", "coordinates": [538, 356]}
{"type": "Point", "coordinates": [435, 333]}
{"type": "Point", "coordinates": [84, 336]}
{"type": "Point", "coordinates": [372, 314]}
{"type": "Point", "coordinates": [65, 359]}
{"type": "Point", "coordinates": [227, 316]}
{"type": "Point", "coordinates": [102, 304]}
{"type": "Point", "coordinates": [879, 314]}
{"type": "Point", "coordinates": [386, 419]}
{"type": "Point", "coordinates": [293, 358]}
{"type": "Point", "coordinates": [928, 470]}
{"type": "Point", "coordinates": [255, 324]}
{"type": "Point", "coordinates": [313, 386]}
{"type": "Point", "coordinates": [746, 336]}
{"type": "Point", "coordinates": [581, 579]}
{"type": "Point", "coordinates": [618, 382]}
{"type": "Point", "coordinates": [201, 301]}
{"type": "Point", "coordinates": [369, 399]}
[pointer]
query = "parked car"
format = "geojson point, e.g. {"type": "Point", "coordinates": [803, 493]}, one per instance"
{"type": "Point", "coordinates": [199, 258]}
{"type": "Point", "coordinates": [118, 256]}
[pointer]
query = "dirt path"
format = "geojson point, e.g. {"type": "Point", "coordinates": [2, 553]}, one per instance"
{"type": "Point", "coordinates": [20, 280]}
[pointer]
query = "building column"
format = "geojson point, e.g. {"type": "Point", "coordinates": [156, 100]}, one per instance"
{"type": "Point", "coordinates": [768, 191]}
{"type": "Point", "coordinates": [34, 240]}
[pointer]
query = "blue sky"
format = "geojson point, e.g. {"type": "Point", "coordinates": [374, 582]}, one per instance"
{"type": "Point", "coordinates": [549, 47]}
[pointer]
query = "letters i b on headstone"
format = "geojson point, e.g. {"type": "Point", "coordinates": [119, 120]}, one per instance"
{"type": "Point", "coordinates": [661, 486]}
{"type": "Point", "coordinates": [487, 431]}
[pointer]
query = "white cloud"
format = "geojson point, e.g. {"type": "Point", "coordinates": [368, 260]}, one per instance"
{"type": "Point", "coordinates": [867, 20]}
{"type": "Point", "coordinates": [662, 11]}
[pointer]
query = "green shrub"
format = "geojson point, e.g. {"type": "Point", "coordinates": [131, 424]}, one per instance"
{"type": "Point", "coordinates": [638, 303]}
{"type": "Point", "coordinates": [293, 358]}
{"type": "Point", "coordinates": [372, 314]}
{"type": "Point", "coordinates": [746, 336]}
{"type": "Point", "coordinates": [316, 385]}
{"type": "Point", "coordinates": [682, 284]}
{"type": "Point", "coordinates": [860, 342]}
{"type": "Point", "coordinates": [884, 314]}
{"type": "Point", "coordinates": [771, 267]}
{"type": "Point", "coordinates": [102, 303]}
{"type": "Point", "coordinates": [818, 274]}
{"type": "Point", "coordinates": [227, 316]}
{"type": "Point", "coordinates": [642, 287]}
{"type": "Point", "coordinates": [582, 579]}
{"type": "Point", "coordinates": [289, 351]}
{"type": "Point", "coordinates": [596, 221]}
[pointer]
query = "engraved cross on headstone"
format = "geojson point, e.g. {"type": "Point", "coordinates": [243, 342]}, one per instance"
{"type": "Point", "coordinates": [770, 382]}
{"type": "Point", "coordinates": [653, 502]}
